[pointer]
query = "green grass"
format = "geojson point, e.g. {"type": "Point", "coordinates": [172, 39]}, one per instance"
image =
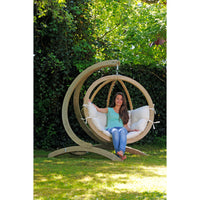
{"type": "Point", "coordinates": [92, 176]}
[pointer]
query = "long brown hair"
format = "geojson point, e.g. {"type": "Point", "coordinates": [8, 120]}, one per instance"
{"type": "Point", "coordinates": [123, 111]}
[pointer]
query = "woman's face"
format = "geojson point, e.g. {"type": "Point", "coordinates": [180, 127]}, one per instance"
{"type": "Point", "coordinates": [118, 100]}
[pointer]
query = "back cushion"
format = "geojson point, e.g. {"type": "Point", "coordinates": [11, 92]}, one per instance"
{"type": "Point", "coordinates": [98, 119]}
{"type": "Point", "coordinates": [92, 111]}
{"type": "Point", "coordinates": [140, 113]}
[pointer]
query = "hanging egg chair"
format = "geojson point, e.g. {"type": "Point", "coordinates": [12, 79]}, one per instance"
{"type": "Point", "coordinates": [141, 118]}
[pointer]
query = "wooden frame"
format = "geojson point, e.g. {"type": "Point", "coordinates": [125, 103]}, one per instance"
{"type": "Point", "coordinates": [120, 78]}
{"type": "Point", "coordinates": [75, 89]}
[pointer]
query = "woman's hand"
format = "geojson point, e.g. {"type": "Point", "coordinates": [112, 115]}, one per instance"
{"type": "Point", "coordinates": [102, 110]}
{"type": "Point", "coordinates": [134, 130]}
{"type": "Point", "coordinates": [128, 129]}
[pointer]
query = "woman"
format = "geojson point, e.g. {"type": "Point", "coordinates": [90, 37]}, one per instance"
{"type": "Point", "coordinates": [117, 123]}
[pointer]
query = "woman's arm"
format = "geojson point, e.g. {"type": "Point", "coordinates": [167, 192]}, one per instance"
{"type": "Point", "coordinates": [102, 110]}
{"type": "Point", "coordinates": [128, 129]}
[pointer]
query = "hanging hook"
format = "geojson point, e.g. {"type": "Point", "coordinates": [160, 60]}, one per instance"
{"type": "Point", "coordinates": [117, 73]}
{"type": "Point", "coordinates": [117, 69]}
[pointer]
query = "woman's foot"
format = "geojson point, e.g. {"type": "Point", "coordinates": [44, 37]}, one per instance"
{"type": "Point", "coordinates": [123, 157]}
{"type": "Point", "coordinates": [120, 153]}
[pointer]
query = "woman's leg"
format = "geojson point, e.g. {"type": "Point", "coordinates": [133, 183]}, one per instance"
{"type": "Point", "coordinates": [115, 138]}
{"type": "Point", "coordinates": [122, 139]}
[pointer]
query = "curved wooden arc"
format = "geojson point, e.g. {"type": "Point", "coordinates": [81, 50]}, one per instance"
{"type": "Point", "coordinates": [96, 150]}
{"type": "Point", "coordinates": [127, 94]}
{"type": "Point", "coordinates": [135, 151]}
{"type": "Point", "coordinates": [99, 88]}
{"type": "Point", "coordinates": [99, 133]}
{"type": "Point", "coordinates": [109, 93]}
{"type": "Point", "coordinates": [65, 119]}
{"type": "Point", "coordinates": [80, 79]}
{"type": "Point", "coordinates": [78, 114]}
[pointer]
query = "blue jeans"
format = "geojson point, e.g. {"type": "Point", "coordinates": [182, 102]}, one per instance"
{"type": "Point", "coordinates": [119, 137]}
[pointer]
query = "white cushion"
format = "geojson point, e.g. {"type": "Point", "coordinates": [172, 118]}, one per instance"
{"type": "Point", "coordinates": [140, 113]}
{"type": "Point", "coordinates": [107, 133]}
{"type": "Point", "coordinates": [102, 119]}
{"type": "Point", "coordinates": [138, 119]}
{"type": "Point", "coordinates": [98, 119]}
{"type": "Point", "coordinates": [133, 134]}
{"type": "Point", "coordinates": [92, 111]}
{"type": "Point", "coordinates": [129, 121]}
{"type": "Point", "coordinates": [139, 125]}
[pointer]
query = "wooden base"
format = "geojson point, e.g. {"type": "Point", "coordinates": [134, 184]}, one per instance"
{"type": "Point", "coordinates": [135, 151]}
{"type": "Point", "coordinates": [128, 149]}
{"type": "Point", "coordinates": [98, 149]}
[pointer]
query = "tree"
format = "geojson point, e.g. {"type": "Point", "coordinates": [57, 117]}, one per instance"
{"type": "Point", "coordinates": [125, 29]}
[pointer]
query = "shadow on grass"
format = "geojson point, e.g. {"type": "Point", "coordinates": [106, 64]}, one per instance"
{"type": "Point", "coordinates": [81, 194]}
{"type": "Point", "coordinates": [94, 177]}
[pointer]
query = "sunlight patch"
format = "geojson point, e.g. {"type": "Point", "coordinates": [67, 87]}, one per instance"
{"type": "Point", "coordinates": [142, 185]}
{"type": "Point", "coordinates": [58, 177]}
{"type": "Point", "coordinates": [86, 179]}
{"type": "Point", "coordinates": [161, 171]}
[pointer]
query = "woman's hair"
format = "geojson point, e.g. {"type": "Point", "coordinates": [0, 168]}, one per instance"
{"type": "Point", "coordinates": [123, 111]}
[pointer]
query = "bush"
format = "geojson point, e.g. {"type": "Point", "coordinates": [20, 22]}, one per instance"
{"type": "Point", "coordinates": [62, 43]}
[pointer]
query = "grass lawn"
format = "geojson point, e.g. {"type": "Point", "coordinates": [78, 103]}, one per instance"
{"type": "Point", "coordinates": [92, 176]}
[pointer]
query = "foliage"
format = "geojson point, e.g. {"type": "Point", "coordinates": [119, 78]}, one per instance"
{"type": "Point", "coordinates": [125, 29]}
{"type": "Point", "coordinates": [95, 177]}
{"type": "Point", "coordinates": [62, 48]}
